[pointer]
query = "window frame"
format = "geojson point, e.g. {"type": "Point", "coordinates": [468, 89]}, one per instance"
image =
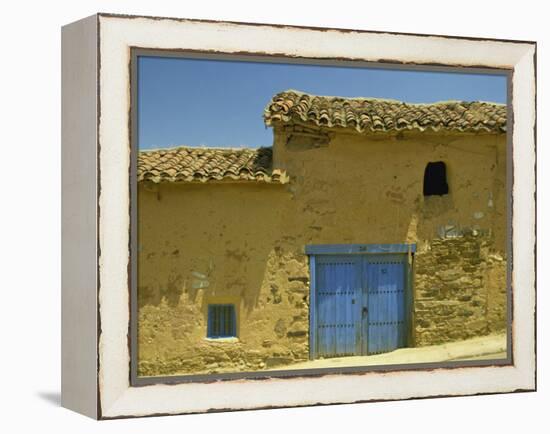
{"type": "Point", "coordinates": [211, 320]}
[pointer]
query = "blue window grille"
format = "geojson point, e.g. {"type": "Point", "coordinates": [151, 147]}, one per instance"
{"type": "Point", "coordinates": [221, 321]}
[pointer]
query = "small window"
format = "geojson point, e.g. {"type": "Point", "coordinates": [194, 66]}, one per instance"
{"type": "Point", "coordinates": [435, 179]}
{"type": "Point", "coordinates": [221, 321]}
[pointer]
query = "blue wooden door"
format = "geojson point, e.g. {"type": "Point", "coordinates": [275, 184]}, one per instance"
{"type": "Point", "coordinates": [338, 305]}
{"type": "Point", "coordinates": [384, 283]}
{"type": "Point", "coordinates": [360, 304]}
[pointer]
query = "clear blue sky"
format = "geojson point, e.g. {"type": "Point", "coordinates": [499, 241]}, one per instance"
{"type": "Point", "coordinates": [220, 103]}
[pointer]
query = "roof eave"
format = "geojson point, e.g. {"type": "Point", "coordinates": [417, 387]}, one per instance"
{"type": "Point", "coordinates": [277, 123]}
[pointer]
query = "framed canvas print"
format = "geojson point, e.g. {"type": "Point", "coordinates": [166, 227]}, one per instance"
{"type": "Point", "coordinates": [262, 216]}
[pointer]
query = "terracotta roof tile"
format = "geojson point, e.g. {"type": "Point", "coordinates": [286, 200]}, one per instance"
{"type": "Point", "coordinates": [368, 114]}
{"type": "Point", "coordinates": [186, 164]}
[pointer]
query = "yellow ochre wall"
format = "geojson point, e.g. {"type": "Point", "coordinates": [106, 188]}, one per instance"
{"type": "Point", "coordinates": [243, 243]}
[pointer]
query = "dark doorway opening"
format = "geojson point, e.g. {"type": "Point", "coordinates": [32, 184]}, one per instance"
{"type": "Point", "coordinates": [435, 179]}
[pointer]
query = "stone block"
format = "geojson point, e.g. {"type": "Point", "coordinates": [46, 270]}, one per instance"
{"type": "Point", "coordinates": [423, 323]}
{"type": "Point", "coordinates": [465, 312]}
{"type": "Point", "coordinates": [297, 270]}
{"type": "Point", "coordinates": [280, 328]}
{"type": "Point", "coordinates": [449, 275]}
{"type": "Point", "coordinates": [297, 286]}
{"type": "Point", "coordinates": [297, 333]}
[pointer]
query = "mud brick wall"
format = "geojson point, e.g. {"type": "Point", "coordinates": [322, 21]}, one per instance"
{"type": "Point", "coordinates": [460, 289]}
{"type": "Point", "coordinates": [273, 333]}
{"type": "Point", "coordinates": [243, 243]}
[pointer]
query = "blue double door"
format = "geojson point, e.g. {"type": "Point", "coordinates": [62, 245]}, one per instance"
{"type": "Point", "coordinates": [360, 304]}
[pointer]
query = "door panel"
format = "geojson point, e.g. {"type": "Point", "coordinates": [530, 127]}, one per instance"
{"type": "Point", "coordinates": [359, 304]}
{"type": "Point", "coordinates": [338, 300]}
{"type": "Point", "coordinates": [384, 283]}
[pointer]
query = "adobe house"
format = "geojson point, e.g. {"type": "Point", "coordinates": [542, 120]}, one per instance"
{"type": "Point", "coordinates": [368, 226]}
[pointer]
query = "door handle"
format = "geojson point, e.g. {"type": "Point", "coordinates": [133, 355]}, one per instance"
{"type": "Point", "coordinates": [365, 311]}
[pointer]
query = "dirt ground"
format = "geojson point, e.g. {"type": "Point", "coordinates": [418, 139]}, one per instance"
{"type": "Point", "coordinates": [492, 347]}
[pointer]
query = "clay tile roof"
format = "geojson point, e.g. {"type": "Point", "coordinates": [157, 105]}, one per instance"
{"type": "Point", "coordinates": [368, 114]}
{"type": "Point", "coordinates": [186, 164]}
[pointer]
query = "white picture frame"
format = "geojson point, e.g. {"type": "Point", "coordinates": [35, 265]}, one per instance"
{"type": "Point", "coordinates": [96, 130]}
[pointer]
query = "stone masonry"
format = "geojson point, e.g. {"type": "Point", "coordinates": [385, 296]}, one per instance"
{"type": "Point", "coordinates": [459, 289]}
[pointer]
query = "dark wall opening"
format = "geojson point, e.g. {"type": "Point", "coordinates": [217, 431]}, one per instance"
{"type": "Point", "coordinates": [435, 179]}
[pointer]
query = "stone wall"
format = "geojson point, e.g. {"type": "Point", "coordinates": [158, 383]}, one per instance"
{"type": "Point", "coordinates": [460, 289]}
